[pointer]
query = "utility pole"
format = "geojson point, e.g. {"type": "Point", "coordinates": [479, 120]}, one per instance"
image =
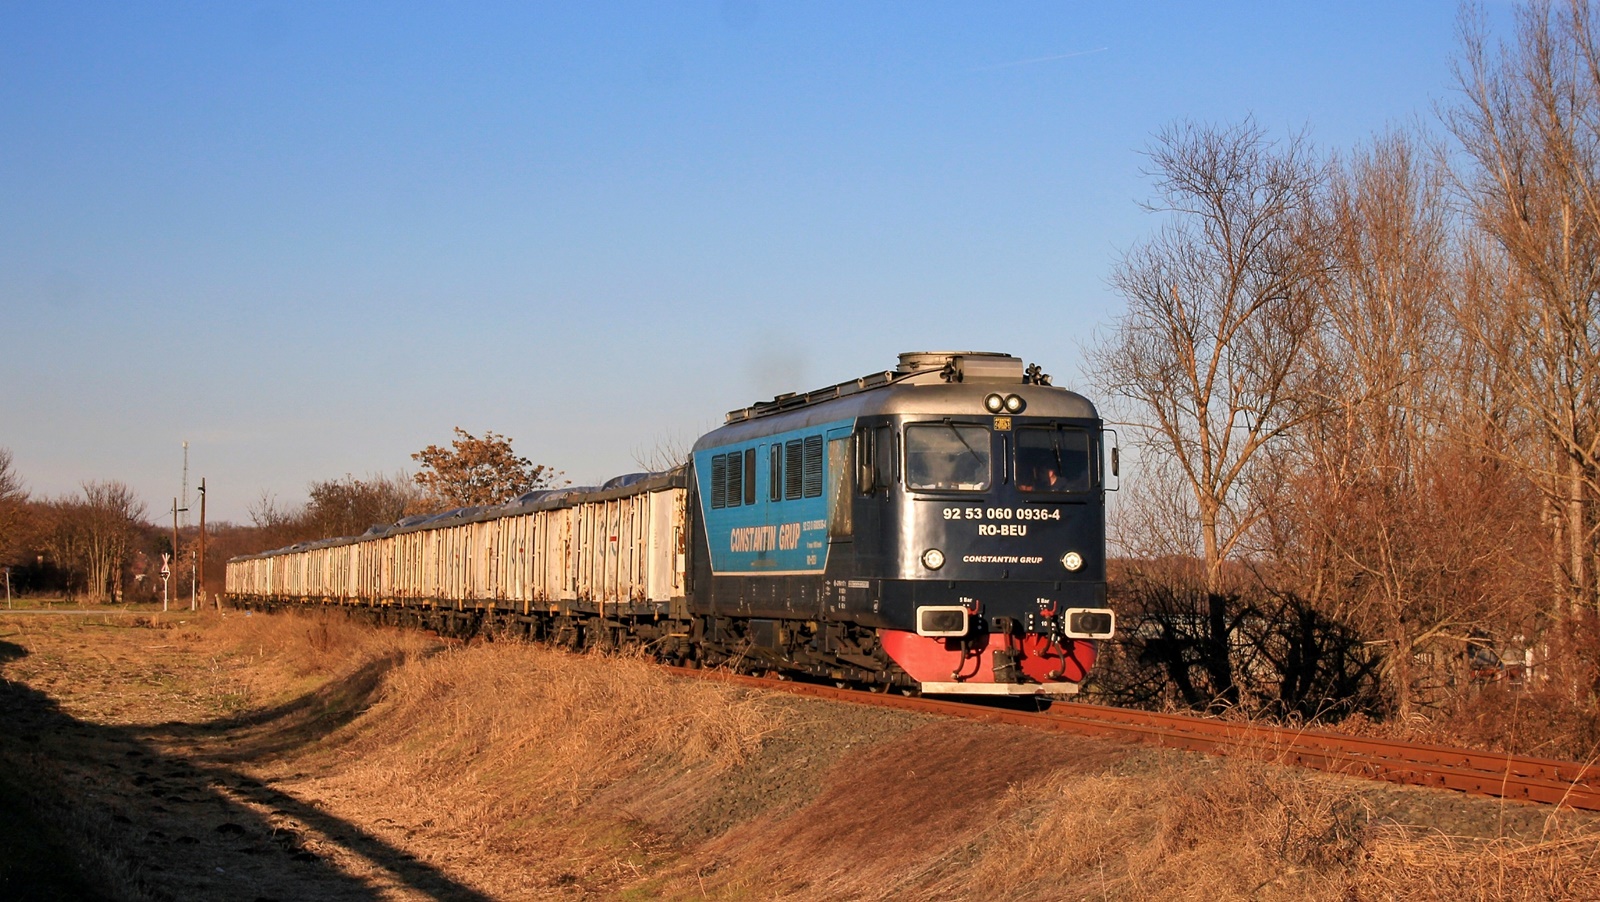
{"type": "Point", "coordinates": [176, 561]}
{"type": "Point", "coordinates": [203, 541]}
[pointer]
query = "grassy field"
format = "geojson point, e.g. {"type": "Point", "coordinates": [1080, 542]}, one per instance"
{"type": "Point", "coordinates": [299, 757]}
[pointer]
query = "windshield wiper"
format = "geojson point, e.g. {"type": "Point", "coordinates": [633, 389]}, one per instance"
{"type": "Point", "coordinates": [970, 450]}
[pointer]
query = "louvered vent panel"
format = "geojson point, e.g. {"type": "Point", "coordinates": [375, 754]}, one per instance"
{"type": "Point", "coordinates": [735, 490]}
{"type": "Point", "coordinates": [719, 481]}
{"type": "Point", "coordinates": [793, 469]}
{"type": "Point", "coordinates": [813, 466]}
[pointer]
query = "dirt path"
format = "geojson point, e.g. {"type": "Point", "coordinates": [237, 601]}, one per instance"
{"type": "Point", "coordinates": [102, 755]}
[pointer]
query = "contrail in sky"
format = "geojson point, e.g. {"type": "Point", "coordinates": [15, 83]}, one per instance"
{"type": "Point", "coordinates": [1039, 59]}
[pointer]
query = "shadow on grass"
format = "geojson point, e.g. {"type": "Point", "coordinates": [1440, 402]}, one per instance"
{"type": "Point", "coordinates": [288, 727]}
{"type": "Point", "coordinates": [92, 811]}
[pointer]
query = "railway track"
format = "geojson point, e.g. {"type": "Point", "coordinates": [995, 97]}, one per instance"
{"type": "Point", "coordinates": [1518, 777]}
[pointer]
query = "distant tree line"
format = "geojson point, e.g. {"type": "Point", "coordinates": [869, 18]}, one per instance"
{"type": "Point", "coordinates": [81, 544]}
{"type": "Point", "coordinates": [98, 545]}
{"type": "Point", "coordinates": [1364, 391]}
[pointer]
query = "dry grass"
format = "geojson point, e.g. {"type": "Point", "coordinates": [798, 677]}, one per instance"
{"type": "Point", "coordinates": [503, 761]}
{"type": "Point", "coordinates": [1399, 865]}
{"type": "Point", "coordinates": [1240, 829]}
{"type": "Point", "coordinates": [543, 726]}
{"type": "Point", "coordinates": [492, 751]}
{"type": "Point", "coordinates": [1246, 830]}
{"type": "Point", "coordinates": [520, 772]}
{"type": "Point", "coordinates": [278, 656]}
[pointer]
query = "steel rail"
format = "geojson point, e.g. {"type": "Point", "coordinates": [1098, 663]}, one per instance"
{"type": "Point", "coordinates": [1543, 780]}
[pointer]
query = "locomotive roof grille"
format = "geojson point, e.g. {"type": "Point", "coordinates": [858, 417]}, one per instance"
{"type": "Point", "coordinates": [794, 401]}
{"type": "Point", "coordinates": [916, 367]}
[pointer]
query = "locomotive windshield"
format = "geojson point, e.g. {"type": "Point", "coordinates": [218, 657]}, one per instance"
{"type": "Point", "coordinates": [1052, 459]}
{"type": "Point", "coordinates": [947, 457]}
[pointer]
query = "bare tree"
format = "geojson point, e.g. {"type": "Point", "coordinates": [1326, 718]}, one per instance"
{"type": "Point", "coordinates": [1371, 409]}
{"type": "Point", "coordinates": [1363, 527]}
{"type": "Point", "coordinates": [266, 512]}
{"type": "Point", "coordinates": [1211, 353]}
{"type": "Point", "coordinates": [92, 534]}
{"type": "Point", "coordinates": [350, 506]}
{"type": "Point", "coordinates": [1529, 121]}
{"type": "Point", "coordinates": [337, 507]}
{"type": "Point", "coordinates": [1388, 517]}
{"type": "Point", "coordinates": [670, 449]}
{"type": "Point", "coordinates": [13, 498]}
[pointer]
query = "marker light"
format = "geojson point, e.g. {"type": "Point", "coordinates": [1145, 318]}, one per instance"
{"type": "Point", "coordinates": [1014, 404]}
{"type": "Point", "coordinates": [933, 559]}
{"type": "Point", "coordinates": [1071, 560]}
{"type": "Point", "coordinates": [994, 403]}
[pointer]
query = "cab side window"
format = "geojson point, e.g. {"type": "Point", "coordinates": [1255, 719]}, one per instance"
{"type": "Point", "coordinates": [874, 459]}
{"type": "Point", "coordinates": [883, 456]}
{"type": "Point", "coordinates": [749, 476]}
{"type": "Point", "coordinates": [775, 473]}
{"type": "Point", "coordinates": [841, 495]}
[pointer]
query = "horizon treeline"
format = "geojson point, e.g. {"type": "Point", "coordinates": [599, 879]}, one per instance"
{"type": "Point", "coordinates": [99, 545]}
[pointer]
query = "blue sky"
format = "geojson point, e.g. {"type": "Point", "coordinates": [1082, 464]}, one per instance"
{"type": "Point", "coordinates": [311, 238]}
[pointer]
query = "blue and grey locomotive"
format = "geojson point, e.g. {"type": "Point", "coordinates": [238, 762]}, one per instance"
{"type": "Point", "coordinates": [940, 527]}
{"type": "Point", "coordinates": [943, 524]}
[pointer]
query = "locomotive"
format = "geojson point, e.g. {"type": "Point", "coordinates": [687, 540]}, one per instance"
{"type": "Point", "coordinates": [939, 527]}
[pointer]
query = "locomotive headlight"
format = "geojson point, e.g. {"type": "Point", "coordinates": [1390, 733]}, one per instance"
{"type": "Point", "coordinates": [1014, 403]}
{"type": "Point", "coordinates": [933, 559]}
{"type": "Point", "coordinates": [1089, 623]}
{"type": "Point", "coordinates": [994, 403]}
{"type": "Point", "coordinates": [1072, 561]}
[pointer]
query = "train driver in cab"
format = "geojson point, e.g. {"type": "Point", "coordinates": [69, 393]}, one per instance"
{"type": "Point", "coordinates": [1039, 474]}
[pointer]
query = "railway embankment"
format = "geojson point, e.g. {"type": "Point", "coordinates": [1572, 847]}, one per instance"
{"type": "Point", "coordinates": [198, 756]}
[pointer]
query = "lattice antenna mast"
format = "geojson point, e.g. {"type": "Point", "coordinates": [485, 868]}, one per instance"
{"type": "Point", "coordinates": [185, 483]}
